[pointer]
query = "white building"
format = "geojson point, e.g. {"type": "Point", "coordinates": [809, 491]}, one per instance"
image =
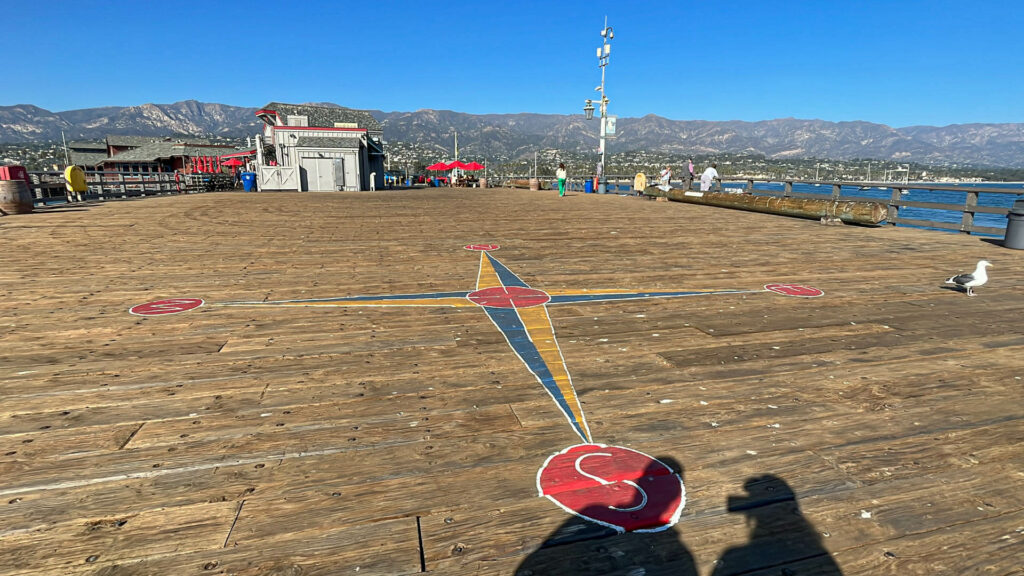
{"type": "Point", "coordinates": [320, 148]}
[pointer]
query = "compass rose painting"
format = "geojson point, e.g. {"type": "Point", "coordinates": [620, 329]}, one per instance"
{"type": "Point", "coordinates": [613, 486]}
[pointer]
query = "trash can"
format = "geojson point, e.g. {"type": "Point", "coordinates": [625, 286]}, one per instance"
{"type": "Point", "coordinates": [1015, 226]}
{"type": "Point", "coordinates": [588, 186]}
{"type": "Point", "coordinates": [248, 181]}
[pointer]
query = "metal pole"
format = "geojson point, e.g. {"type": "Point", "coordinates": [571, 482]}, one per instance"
{"type": "Point", "coordinates": [67, 159]}
{"type": "Point", "coordinates": [603, 53]}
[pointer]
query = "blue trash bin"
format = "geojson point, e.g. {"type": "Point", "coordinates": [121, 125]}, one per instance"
{"type": "Point", "coordinates": [248, 181]}
{"type": "Point", "coordinates": [588, 186]}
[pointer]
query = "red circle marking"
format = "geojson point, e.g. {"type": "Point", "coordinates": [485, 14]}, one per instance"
{"type": "Point", "coordinates": [163, 307]}
{"type": "Point", "coordinates": [795, 290]}
{"type": "Point", "coordinates": [482, 247]}
{"type": "Point", "coordinates": [509, 297]}
{"type": "Point", "coordinates": [613, 486]}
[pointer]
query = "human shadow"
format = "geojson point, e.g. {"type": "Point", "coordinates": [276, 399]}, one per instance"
{"type": "Point", "coordinates": [580, 546]}
{"type": "Point", "coordinates": [781, 539]}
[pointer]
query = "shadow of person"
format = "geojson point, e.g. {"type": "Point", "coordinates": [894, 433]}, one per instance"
{"type": "Point", "coordinates": [580, 546]}
{"type": "Point", "coordinates": [781, 539]}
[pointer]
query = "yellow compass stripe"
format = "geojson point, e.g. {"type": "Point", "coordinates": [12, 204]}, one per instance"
{"type": "Point", "coordinates": [488, 277]}
{"type": "Point", "coordinates": [584, 292]}
{"type": "Point", "coordinates": [538, 325]}
{"type": "Point", "coordinates": [456, 302]}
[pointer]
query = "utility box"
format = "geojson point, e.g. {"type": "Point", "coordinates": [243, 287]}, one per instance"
{"type": "Point", "coordinates": [15, 173]}
{"type": "Point", "coordinates": [1015, 226]}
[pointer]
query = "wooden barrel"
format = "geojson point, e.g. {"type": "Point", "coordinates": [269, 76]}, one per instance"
{"type": "Point", "coordinates": [15, 197]}
{"type": "Point", "coordinates": [534, 184]}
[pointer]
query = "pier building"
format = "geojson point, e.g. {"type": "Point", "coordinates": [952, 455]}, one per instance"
{"type": "Point", "coordinates": [320, 148]}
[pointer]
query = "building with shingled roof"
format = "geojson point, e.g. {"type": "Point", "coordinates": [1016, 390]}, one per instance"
{"type": "Point", "coordinates": [87, 154]}
{"type": "Point", "coordinates": [164, 155]}
{"type": "Point", "coordinates": [320, 148]}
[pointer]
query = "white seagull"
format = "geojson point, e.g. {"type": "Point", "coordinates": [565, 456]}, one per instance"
{"type": "Point", "coordinates": [972, 280]}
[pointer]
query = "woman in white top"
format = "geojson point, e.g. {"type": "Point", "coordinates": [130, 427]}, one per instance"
{"type": "Point", "coordinates": [560, 174]}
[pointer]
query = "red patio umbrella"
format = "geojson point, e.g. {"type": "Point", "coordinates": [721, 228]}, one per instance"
{"type": "Point", "coordinates": [439, 166]}
{"type": "Point", "coordinates": [232, 162]}
{"type": "Point", "coordinates": [457, 164]}
{"type": "Point", "coordinates": [473, 166]}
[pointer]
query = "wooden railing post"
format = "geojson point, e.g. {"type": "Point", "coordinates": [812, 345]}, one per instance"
{"type": "Point", "coordinates": [967, 222]}
{"type": "Point", "coordinates": [124, 190]}
{"type": "Point", "coordinates": [894, 207]}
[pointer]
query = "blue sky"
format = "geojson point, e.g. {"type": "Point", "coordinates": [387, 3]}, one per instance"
{"type": "Point", "coordinates": [901, 63]}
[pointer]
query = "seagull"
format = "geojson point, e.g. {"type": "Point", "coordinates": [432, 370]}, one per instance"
{"type": "Point", "coordinates": [976, 278]}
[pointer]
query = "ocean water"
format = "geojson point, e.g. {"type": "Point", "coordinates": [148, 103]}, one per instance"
{"type": "Point", "coordinates": [918, 195]}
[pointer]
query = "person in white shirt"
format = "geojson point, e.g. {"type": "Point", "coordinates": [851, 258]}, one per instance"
{"type": "Point", "coordinates": [708, 177]}
{"type": "Point", "coordinates": [663, 180]}
{"type": "Point", "coordinates": [561, 174]}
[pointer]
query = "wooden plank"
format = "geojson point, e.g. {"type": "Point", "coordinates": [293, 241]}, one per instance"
{"type": "Point", "coordinates": [986, 546]}
{"type": "Point", "coordinates": [382, 548]}
{"type": "Point", "coordinates": [97, 542]}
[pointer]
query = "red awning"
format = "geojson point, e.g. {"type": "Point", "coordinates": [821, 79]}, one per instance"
{"type": "Point", "coordinates": [239, 154]}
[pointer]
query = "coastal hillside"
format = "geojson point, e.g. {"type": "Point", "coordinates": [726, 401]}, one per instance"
{"type": "Point", "coordinates": [520, 135]}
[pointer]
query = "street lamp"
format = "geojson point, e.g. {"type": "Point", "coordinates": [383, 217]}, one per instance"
{"type": "Point", "coordinates": [603, 52]}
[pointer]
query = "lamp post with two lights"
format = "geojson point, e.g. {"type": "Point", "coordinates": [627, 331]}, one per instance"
{"type": "Point", "coordinates": [603, 53]}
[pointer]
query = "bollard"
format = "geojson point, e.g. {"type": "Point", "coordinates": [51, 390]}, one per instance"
{"type": "Point", "coordinates": [1015, 226]}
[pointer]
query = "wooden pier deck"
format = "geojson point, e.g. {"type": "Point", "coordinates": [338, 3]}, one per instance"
{"type": "Point", "coordinates": [876, 429]}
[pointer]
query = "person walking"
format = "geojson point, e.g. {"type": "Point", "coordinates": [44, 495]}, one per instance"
{"type": "Point", "coordinates": [560, 174]}
{"type": "Point", "coordinates": [708, 177]}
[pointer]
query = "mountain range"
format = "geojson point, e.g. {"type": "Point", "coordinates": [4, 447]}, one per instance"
{"type": "Point", "coordinates": [520, 135]}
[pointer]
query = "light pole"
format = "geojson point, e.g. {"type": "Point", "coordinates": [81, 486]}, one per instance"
{"type": "Point", "coordinates": [603, 52]}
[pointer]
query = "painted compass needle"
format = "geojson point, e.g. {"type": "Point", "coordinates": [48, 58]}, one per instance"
{"type": "Point", "coordinates": [519, 311]}
{"type": "Point", "coordinates": [632, 491]}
